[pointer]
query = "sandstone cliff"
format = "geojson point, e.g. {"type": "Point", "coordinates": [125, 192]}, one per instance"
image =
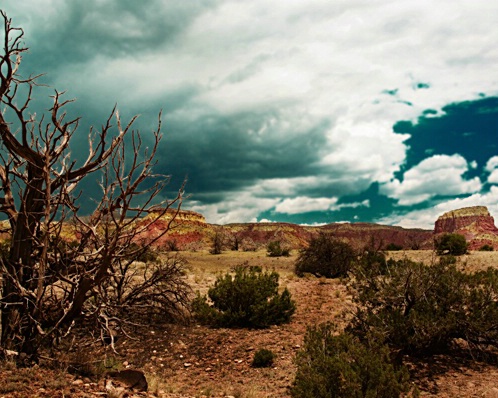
{"type": "Point", "coordinates": [189, 231]}
{"type": "Point", "coordinates": [475, 223]}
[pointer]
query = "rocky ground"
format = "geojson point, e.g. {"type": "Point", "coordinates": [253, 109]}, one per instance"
{"type": "Point", "coordinates": [196, 361]}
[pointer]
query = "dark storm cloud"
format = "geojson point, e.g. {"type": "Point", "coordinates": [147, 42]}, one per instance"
{"type": "Point", "coordinates": [88, 29]}
{"type": "Point", "coordinates": [225, 153]}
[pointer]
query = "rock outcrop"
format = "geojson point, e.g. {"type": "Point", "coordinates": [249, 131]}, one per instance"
{"type": "Point", "coordinates": [475, 223]}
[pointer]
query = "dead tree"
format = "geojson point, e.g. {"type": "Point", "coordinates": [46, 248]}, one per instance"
{"type": "Point", "coordinates": [57, 260]}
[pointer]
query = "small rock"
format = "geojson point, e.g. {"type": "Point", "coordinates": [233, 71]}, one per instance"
{"type": "Point", "coordinates": [208, 369]}
{"type": "Point", "coordinates": [77, 382]}
{"type": "Point", "coordinates": [126, 363]}
{"type": "Point", "coordinates": [130, 378]}
{"type": "Point", "coordinates": [187, 364]}
{"type": "Point", "coordinates": [41, 390]}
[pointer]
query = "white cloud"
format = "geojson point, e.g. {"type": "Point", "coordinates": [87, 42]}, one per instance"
{"type": "Point", "coordinates": [492, 167]}
{"type": "Point", "coordinates": [492, 164]}
{"type": "Point", "coordinates": [304, 205]}
{"type": "Point", "coordinates": [426, 218]}
{"type": "Point", "coordinates": [437, 175]}
{"type": "Point", "coordinates": [238, 207]}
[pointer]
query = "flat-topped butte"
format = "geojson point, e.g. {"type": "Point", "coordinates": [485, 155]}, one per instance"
{"type": "Point", "coordinates": [467, 212]}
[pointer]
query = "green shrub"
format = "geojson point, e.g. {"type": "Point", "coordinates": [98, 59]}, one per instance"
{"type": "Point", "coordinates": [486, 248]}
{"type": "Point", "coordinates": [422, 309]}
{"type": "Point", "coordinates": [249, 298]}
{"type": "Point", "coordinates": [263, 358]}
{"type": "Point", "coordinates": [274, 249]}
{"type": "Point", "coordinates": [326, 257]}
{"type": "Point", "coordinates": [454, 244]}
{"type": "Point", "coordinates": [145, 254]}
{"type": "Point", "coordinates": [217, 244]}
{"type": "Point", "coordinates": [394, 247]}
{"type": "Point", "coordinates": [331, 365]}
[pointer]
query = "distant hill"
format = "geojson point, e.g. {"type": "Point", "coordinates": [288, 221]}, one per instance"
{"type": "Point", "coordinates": [190, 231]}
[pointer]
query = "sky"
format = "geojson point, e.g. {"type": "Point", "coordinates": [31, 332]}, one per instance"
{"type": "Point", "coordinates": [302, 111]}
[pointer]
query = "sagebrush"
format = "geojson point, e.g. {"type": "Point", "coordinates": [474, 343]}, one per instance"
{"type": "Point", "coordinates": [423, 309]}
{"type": "Point", "coordinates": [341, 365]}
{"type": "Point", "coordinates": [249, 298]}
{"type": "Point", "coordinates": [325, 256]}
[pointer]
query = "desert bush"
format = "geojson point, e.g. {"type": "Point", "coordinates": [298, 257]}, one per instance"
{"type": "Point", "coordinates": [250, 298]}
{"type": "Point", "coordinates": [263, 358]}
{"type": "Point", "coordinates": [394, 247]}
{"type": "Point", "coordinates": [155, 290]}
{"type": "Point", "coordinates": [145, 253]}
{"type": "Point", "coordinates": [325, 256]}
{"type": "Point", "coordinates": [172, 245]}
{"type": "Point", "coordinates": [422, 309]}
{"type": "Point", "coordinates": [486, 248]}
{"type": "Point", "coordinates": [217, 244]}
{"type": "Point", "coordinates": [331, 365]}
{"type": "Point", "coordinates": [275, 249]}
{"type": "Point", "coordinates": [454, 244]}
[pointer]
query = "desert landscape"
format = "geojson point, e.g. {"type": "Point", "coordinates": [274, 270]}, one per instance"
{"type": "Point", "coordinates": [291, 200]}
{"type": "Point", "coordinates": [194, 360]}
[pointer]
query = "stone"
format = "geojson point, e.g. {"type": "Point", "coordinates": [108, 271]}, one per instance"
{"type": "Point", "coordinates": [132, 379]}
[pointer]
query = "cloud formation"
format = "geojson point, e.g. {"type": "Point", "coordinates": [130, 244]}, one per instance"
{"type": "Point", "coordinates": [439, 175]}
{"type": "Point", "coordinates": [308, 111]}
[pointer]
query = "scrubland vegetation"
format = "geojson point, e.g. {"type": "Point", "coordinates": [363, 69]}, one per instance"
{"type": "Point", "coordinates": [386, 314]}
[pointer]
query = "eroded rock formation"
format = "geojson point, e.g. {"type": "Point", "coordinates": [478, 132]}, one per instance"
{"type": "Point", "coordinates": [475, 223]}
{"type": "Point", "coordinates": [191, 232]}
